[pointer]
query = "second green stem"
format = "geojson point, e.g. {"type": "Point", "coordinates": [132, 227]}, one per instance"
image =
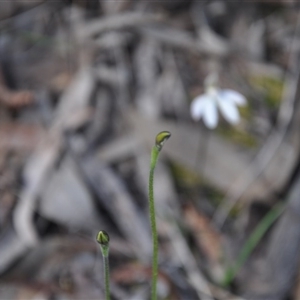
{"type": "Point", "coordinates": [106, 275]}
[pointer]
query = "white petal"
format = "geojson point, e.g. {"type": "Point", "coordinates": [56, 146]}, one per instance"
{"type": "Point", "coordinates": [229, 110]}
{"type": "Point", "coordinates": [210, 115]}
{"type": "Point", "coordinates": [233, 96]}
{"type": "Point", "coordinates": [197, 106]}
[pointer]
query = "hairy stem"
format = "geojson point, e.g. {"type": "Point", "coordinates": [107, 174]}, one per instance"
{"type": "Point", "coordinates": [106, 275]}
{"type": "Point", "coordinates": [159, 142]}
{"type": "Point", "coordinates": [154, 157]}
{"type": "Point", "coordinates": [102, 239]}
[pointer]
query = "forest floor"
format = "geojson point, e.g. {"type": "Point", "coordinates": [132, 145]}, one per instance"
{"type": "Point", "coordinates": [85, 86]}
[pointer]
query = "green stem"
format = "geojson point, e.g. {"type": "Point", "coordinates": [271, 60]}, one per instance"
{"type": "Point", "coordinates": [252, 242]}
{"type": "Point", "coordinates": [106, 275]}
{"type": "Point", "coordinates": [154, 157]}
{"type": "Point", "coordinates": [102, 239]}
{"type": "Point", "coordinates": [159, 142]}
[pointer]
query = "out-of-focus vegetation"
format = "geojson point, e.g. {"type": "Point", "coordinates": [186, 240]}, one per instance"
{"type": "Point", "coordinates": [85, 86]}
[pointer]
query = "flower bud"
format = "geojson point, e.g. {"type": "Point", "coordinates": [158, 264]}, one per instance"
{"type": "Point", "coordinates": [161, 138]}
{"type": "Point", "coordinates": [102, 238]}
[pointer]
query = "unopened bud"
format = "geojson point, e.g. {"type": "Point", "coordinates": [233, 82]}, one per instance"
{"type": "Point", "coordinates": [161, 138]}
{"type": "Point", "coordinates": [102, 238]}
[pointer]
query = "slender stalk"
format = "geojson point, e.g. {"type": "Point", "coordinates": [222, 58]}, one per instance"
{"type": "Point", "coordinates": [106, 275]}
{"type": "Point", "coordinates": [103, 240]}
{"type": "Point", "coordinates": [160, 139]}
{"type": "Point", "coordinates": [154, 156]}
{"type": "Point", "coordinates": [202, 150]}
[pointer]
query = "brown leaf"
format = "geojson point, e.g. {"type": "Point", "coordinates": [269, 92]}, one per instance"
{"type": "Point", "coordinates": [14, 99]}
{"type": "Point", "coordinates": [208, 239]}
{"type": "Point", "coordinates": [137, 273]}
{"type": "Point", "coordinates": [19, 136]}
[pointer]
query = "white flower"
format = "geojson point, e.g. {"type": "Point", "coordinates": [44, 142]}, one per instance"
{"type": "Point", "coordinates": [206, 106]}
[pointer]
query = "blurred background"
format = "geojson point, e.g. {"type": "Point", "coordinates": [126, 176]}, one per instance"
{"type": "Point", "coordinates": [85, 86]}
